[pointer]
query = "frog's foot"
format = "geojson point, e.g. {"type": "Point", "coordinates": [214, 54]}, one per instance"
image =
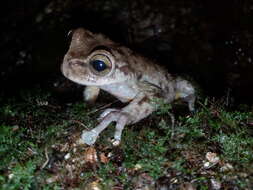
{"type": "Point", "coordinates": [89, 137]}
{"type": "Point", "coordinates": [191, 101]}
{"type": "Point", "coordinates": [121, 118]}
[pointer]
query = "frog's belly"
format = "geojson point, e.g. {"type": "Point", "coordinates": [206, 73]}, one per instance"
{"type": "Point", "coordinates": [124, 92]}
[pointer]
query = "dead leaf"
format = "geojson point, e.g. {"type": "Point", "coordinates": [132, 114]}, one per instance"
{"type": "Point", "coordinates": [90, 155]}
{"type": "Point", "coordinates": [212, 157]}
{"type": "Point", "coordinates": [103, 158]}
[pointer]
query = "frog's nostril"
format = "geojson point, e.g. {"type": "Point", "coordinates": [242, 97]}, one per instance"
{"type": "Point", "coordinates": [73, 62]}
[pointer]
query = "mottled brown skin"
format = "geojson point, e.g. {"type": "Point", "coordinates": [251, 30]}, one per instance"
{"type": "Point", "coordinates": [128, 76]}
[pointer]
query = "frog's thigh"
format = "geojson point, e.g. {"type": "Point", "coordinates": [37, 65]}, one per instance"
{"type": "Point", "coordinates": [90, 93]}
{"type": "Point", "coordinates": [139, 108]}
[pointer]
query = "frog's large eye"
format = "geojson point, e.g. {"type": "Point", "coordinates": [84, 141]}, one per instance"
{"type": "Point", "coordinates": [100, 64]}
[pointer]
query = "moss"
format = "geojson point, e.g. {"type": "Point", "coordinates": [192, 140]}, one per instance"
{"type": "Point", "coordinates": [34, 122]}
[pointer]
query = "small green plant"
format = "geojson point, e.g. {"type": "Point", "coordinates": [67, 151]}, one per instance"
{"type": "Point", "coordinates": [147, 151]}
{"type": "Point", "coordinates": [179, 165]}
{"type": "Point", "coordinates": [8, 111]}
{"type": "Point", "coordinates": [106, 170]}
{"type": "Point", "coordinates": [20, 177]}
{"type": "Point", "coordinates": [12, 146]}
{"type": "Point", "coordinates": [161, 106]}
{"type": "Point", "coordinates": [31, 122]}
{"type": "Point", "coordinates": [236, 147]}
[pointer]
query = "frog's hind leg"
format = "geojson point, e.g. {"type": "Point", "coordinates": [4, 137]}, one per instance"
{"type": "Point", "coordinates": [191, 101]}
{"type": "Point", "coordinates": [186, 92]}
{"type": "Point", "coordinates": [121, 123]}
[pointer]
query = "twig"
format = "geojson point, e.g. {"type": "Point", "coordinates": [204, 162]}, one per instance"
{"type": "Point", "coordinates": [102, 107]}
{"type": "Point", "coordinates": [47, 160]}
{"type": "Point", "coordinates": [203, 106]}
{"type": "Point", "coordinates": [172, 124]}
{"type": "Point", "coordinates": [80, 123]}
{"type": "Point", "coordinates": [228, 97]}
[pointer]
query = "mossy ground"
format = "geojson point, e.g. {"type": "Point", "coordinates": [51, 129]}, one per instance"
{"type": "Point", "coordinates": [39, 147]}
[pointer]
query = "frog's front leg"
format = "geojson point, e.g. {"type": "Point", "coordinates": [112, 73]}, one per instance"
{"type": "Point", "coordinates": [139, 108]}
{"type": "Point", "coordinates": [90, 93]}
{"type": "Point", "coordinates": [185, 91]}
{"type": "Point", "coordinates": [90, 137]}
{"type": "Point", "coordinates": [106, 112]}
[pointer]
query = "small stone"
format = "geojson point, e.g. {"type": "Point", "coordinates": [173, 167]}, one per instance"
{"type": "Point", "coordinates": [67, 156]}
{"type": "Point", "coordinates": [115, 142]}
{"type": "Point", "coordinates": [207, 165]}
{"type": "Point", "coordinates": [216, 185]}
{"type": "Point", "coordinates": [174, 180]}
{"type": "Point", "coordinates": [110, 154]}
{"type": "Point", "coordinates": [15, 128]}
{"type": "Point", "coordinates": [137, 167]}
{"type": "Point", "coordinates": [10, 176]}
{"type": "Point", "coordinates": [243, 175]}
{"type": "Point", "coordinates": [93, 186]}
{"type": "Point", "coordinates": [52, 179]}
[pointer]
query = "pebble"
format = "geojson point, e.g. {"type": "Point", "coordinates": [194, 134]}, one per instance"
{"type": "Point", "coordinates": [216, 185]}
{"type": "Point", "coordinates": [67, 156]}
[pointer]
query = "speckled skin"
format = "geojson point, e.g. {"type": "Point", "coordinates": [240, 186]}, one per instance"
{"type": "Point", "coordinates": [131, 78]}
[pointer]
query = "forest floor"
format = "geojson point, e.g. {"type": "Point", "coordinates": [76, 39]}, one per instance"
{"type": "Point", "coordinates": [40, 146]}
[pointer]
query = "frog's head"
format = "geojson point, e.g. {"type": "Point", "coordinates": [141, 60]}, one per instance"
{"type": "Point", "coordinates": [92, 59]}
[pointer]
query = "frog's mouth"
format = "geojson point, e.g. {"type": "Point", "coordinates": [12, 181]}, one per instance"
{"type": "Point", "coordinates": [180, 95]}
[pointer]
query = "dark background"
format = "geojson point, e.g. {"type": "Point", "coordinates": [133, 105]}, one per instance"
{"type": "Point", "coordinates": [210, 41]}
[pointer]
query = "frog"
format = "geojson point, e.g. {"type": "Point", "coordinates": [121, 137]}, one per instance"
{"type": "Point", "coordinates": [98, 63]}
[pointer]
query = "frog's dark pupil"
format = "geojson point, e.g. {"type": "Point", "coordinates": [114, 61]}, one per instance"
{"type": "Point", "coordinates": [98, 65]}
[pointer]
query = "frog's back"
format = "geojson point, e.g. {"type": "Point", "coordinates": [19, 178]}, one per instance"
{"type": "Point", "coordinates": [153, 73]}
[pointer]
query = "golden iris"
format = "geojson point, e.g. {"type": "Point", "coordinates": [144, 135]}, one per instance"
{"type": "Point", "coordinates": [100, 64]}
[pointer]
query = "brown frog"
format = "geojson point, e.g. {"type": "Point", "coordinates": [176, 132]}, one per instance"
{"type": "Point", "coordinates": [98, 63]}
